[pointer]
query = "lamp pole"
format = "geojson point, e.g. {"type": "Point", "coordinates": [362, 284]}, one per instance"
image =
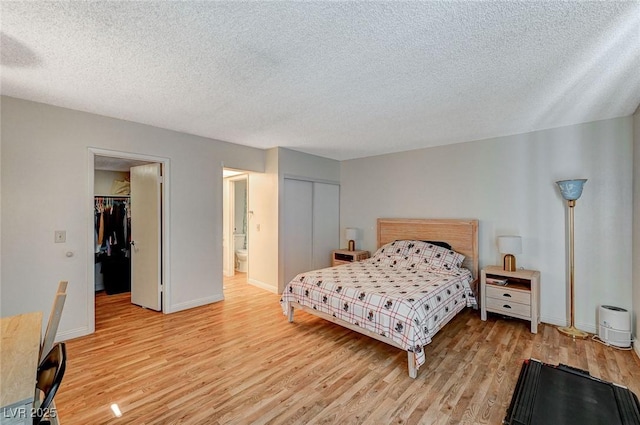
{"type": "Point", "coordinates": [571, 330]}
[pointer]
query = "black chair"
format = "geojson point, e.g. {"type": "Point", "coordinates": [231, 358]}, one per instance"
{"type": "Point", "coordinates": [49, 376]}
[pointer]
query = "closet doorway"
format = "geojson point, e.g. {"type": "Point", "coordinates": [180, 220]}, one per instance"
{"type": "Point", "coordinates": [138, 258]}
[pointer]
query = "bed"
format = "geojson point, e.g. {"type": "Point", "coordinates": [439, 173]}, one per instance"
{"type": "Point", "coordinates": [423, 273]}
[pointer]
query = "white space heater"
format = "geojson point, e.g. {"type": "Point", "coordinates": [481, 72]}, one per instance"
{"type": "Point", "coordinates": [614, 326]}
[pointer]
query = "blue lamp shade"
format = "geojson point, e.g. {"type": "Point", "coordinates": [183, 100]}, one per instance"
{"type": "Point", "coordinates": [571, 189]}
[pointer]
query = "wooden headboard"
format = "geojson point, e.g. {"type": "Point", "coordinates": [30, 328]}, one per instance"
{"type": "Point", "coordinates": [462, 235]}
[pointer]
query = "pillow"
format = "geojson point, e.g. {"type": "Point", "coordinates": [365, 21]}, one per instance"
{"type": "Point", "coordinates": [398, 248]}
{"type": "Point", "coordinates": [405, 243]}
{"type": "Point", "coordinates": [441, 259]}
{"type": "Point", "coordinates": [422, 254]}
{"type": "Point", "coordinates": [439, 243]}
{"type": "Point", "coordinates": [414, 262]}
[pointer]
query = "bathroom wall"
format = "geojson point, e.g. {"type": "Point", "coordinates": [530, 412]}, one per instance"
{"type": "Point", "coordinates": [240, 207]}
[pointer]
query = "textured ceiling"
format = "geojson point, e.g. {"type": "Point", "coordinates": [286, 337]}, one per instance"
{"type": "Point", "coordinates": [336, 79]}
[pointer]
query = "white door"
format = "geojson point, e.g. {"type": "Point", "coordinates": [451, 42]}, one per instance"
{"type": "Point", "coordinates": [146, 249]}
{"type": "Point", "coordinates": [311, 225]}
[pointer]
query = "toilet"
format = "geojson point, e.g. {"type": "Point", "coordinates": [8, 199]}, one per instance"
{"type": "Point", "coordinates": [241, 252]}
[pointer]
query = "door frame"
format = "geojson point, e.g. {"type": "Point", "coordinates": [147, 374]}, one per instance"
{"type": "Point", "coordinates": [165, 228]}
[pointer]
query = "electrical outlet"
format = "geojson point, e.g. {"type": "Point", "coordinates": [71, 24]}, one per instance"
{"type": "Point", "coordinates": [60, 236]}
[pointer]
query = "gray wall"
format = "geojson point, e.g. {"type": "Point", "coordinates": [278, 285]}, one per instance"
{"type": "Point", "coordinates": [508, 183]}
{"type": "Point", "coordinates": [45, 187]}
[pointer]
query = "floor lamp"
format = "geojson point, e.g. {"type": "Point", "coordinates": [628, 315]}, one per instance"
{"type": "Point", "coordinates": [571, 191]}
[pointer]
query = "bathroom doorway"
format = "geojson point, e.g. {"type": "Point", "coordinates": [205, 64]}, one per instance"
{"type": "Point", "coordinates": [236, 223]}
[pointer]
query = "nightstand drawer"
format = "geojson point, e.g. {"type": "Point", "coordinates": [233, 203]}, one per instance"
{"type": "Point", "coordinates": [520, 298]}
{"type": "Point", "coordinates": [504, 294]}
{"type": "Point", "coordinates": [509, 308]}
{"type": "Point", "coordinates": [344, 256]}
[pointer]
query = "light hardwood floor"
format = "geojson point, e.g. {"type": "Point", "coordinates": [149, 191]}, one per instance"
{"type": "Point", "coordinates": [240, 362]}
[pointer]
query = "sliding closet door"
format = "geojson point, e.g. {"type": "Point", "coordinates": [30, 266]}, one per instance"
{"type": "Point", "coordinates": [298, 227]}
{"type": "Point", "coordinates": [326, 223]}
{"type": "Point", "coordinates": [311, 225]}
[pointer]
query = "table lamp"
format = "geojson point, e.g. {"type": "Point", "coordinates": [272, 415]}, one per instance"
{"type": "Point", "coordinates": [351, 234]}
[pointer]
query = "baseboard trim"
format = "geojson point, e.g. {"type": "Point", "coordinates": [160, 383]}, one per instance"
{"type": "Point", "coordinates": [72, 333]}
{"type": "Point", "coordinates": [194, 303]}
{"type": "Point", "coordinates": [587, 328]}
{"type": "Point", "coordinates": [263, 285]}
{"type": "Point", "coordinates": [555, 321]}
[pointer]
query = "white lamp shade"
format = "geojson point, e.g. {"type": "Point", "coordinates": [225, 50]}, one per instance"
{"type": "Point", "coordinates": [510, 244]}
{"type": "Point", "coordinates": [351, 233]}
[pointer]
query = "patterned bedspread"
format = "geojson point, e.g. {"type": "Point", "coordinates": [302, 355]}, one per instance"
{"type": "Point", "coordinates": [399, 301]}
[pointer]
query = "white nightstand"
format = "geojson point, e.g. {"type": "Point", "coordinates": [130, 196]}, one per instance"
{"type": "Point", "coordinates": [519, 298]}
{"type": "Point", "coordinates": [344, 256]}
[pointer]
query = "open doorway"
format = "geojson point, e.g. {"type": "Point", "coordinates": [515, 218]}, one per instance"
{"type": "Point", "coordinates": [108, 172]}
{"type": "Point", "coordinates": [235, 222]}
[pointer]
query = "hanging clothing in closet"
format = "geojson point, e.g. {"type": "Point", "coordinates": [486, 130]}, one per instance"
{"type": "Point", "coordinates": [113, 230]}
